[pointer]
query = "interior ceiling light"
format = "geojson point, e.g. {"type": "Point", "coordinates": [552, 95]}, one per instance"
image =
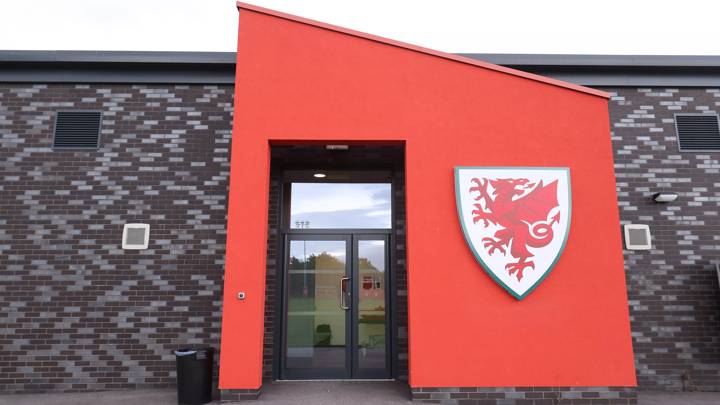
{"type": "Point", "coordinates": [319, 175]}
{"type": "Point", "coordinates": [337, 147]}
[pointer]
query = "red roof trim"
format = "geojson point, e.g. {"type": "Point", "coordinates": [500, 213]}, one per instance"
{"type": "Point", "coordinates": [456, 58]}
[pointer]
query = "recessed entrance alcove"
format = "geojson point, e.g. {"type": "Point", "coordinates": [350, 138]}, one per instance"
{"type": "Point", "coordinates": [336, 286]}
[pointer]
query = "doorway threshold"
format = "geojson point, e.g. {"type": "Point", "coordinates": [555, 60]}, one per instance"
{"type": "Point", "coordinates": [339, 380]}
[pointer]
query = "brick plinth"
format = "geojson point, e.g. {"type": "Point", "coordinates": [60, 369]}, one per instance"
{"type": "Point", "coordinates": [239, 395]}
{"type": "Point", "coordinates": [526, 395]}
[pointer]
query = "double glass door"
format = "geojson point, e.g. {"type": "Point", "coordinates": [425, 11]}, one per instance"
{"type": "Point", "coordinates": [336, 315]}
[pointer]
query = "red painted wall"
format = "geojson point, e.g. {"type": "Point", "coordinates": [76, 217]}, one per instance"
{"type": "Point", "coordinates": [298, 82]}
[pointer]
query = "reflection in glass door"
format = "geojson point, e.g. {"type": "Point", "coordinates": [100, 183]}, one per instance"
{"type": "Point", "coordinates": [336, 307]}
{"type": "Point", "coordinates": [370, 321]}
{"type": "Point", "coordinates": [317, 294]}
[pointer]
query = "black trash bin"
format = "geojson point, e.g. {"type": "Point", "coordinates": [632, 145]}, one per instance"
{"type": "Point", "coordinates": [194, 375]}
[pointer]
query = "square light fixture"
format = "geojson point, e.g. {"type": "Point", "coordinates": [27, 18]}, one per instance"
{"type": "Point", "coordinates": [136, 236]}
{"type": "Point", "coordinates": [637, 237]}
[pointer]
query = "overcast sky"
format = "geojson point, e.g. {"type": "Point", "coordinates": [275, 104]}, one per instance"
{"type": "Point", "coordinates": [508, 26]}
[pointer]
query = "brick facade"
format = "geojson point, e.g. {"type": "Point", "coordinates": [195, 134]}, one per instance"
{"type": "Point", "coordinates": [672, 289]}
{"type": "Point", "coordinates": [78, 313]}
{"type": "Point", "coordinates": [526, 395]}
{"type": "Point", "coordinates": [401, 304]}
{"type": "Point", "coordinates": [271, 282]}
{"type": "Point", "coordinates": [239, 395]}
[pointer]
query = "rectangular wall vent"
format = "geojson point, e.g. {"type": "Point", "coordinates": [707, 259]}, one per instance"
{"type": "Point", "coordinates": [698, 132]}
{"type": "Point", "coordinates": [77, 129]}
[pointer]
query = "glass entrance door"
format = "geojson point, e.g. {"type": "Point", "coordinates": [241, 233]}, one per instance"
{"type": "Point", "coordinates": [370, 307]}
{"type": "Point", "coordinates": [317, 294]}
{"type": "Point", "coordinates": [336, 323]}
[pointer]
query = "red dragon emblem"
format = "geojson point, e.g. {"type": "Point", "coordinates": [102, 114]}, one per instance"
{"type": "Point", "coordinates": [521, 209]}
{"type": "Point", "coordinates": [515, 220]}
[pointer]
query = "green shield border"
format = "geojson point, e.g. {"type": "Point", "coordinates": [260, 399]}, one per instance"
{"type": "Point", "coordinates": [472, 247]}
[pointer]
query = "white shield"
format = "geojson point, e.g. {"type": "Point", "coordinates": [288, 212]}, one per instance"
{"type": "Point", "coordinates": [516, 221]}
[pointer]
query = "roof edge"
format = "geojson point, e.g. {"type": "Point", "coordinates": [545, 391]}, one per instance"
{"type": "Point", "coordinates": [135, 57]}
{"type": "Point", "coordinates": [596, 60]}
{"type": "Point", "coordinates": [420, 49]}
{"type": "Point", "coordinates": [597, 71]}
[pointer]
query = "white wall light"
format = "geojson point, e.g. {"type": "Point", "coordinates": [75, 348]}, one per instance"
{"type": "Point", "coordinates": [665, 197]}
{"type": "Point", "coordinates": [637, 237]}
{"type": "Point", "coordinates": [337, 147]}
{"type": "Point", "coordinates": [136, 236]}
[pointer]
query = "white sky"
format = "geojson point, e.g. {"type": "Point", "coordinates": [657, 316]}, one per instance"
{"type": "Point", "coordinates": [508, 26]}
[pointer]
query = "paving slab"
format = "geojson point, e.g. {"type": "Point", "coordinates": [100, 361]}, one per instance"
{"type": "Point", "coordinates": [125, 397]}
{"type": "Point", "coordinates": [282, 392]}
{"type": "Point", "coordinates": [334, 392]}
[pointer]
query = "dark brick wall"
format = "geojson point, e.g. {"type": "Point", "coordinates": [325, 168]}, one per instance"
{"type": "Point", "coordinates": [76, 311]}
{"type": "Point", "coordinates": [271, 282]}
{"type": "Point", "coordinates": [234, 396]}
{"type": "Point", "coordinates": [401, 308]}
{"type": "Point", "coordinates": [79, 313]}
{"type": "Point", "coordinates": [673, 290]}
{"type": "Point", "coordinates": [526, 395]}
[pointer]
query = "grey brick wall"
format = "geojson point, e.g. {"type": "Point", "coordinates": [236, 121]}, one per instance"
{"type": "Point", "coordinates": [76, 311]}
{"type": "Point", "coordinates": [673, 291]}
{"type": "Point", "coordinates": [272, 292]}
{"type": "Point", "coordinates": [79, 313]}
{"type": "Point", "coordinates": [526, 395]}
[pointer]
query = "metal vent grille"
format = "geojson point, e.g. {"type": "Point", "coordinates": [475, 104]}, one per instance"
{"type": "Point", "coordinates": [697, 132]}
{"type": "Point", "coordinates": [77, 129]}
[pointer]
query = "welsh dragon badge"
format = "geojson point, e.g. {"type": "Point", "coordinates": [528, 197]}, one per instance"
{"type": "Point", "coordinates": [516, 221]}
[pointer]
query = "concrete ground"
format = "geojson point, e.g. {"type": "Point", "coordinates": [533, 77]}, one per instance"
{"type": "Point", "coordinates": [308, 392]}
{"type": "Point", "coordinates": [285, 392]}
{"type": "Point", "coordinates": [332, 393]}
{"type": "Point", "coordinates": [133, 397]}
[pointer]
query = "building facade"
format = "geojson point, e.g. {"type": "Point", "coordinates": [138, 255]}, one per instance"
{"type": "Point", "coordinates": [81, 313]}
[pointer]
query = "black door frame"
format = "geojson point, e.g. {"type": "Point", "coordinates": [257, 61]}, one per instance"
{"type": "Point", "coordinates": [284, 231]}
{"type": "Point", "coordinates": [306, 374]}
{"type": "Point", "coordinates": [357, 373]}
{"type": "Point", "coordinates": [352, 369]}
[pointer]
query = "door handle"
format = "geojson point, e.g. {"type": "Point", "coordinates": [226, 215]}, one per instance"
{"type": "Point", "coordinates": [344, 293]}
